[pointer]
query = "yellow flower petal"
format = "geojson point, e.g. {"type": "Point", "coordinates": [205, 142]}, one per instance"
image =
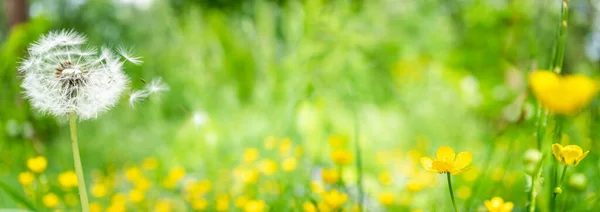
{"type": "Point", "coordinates": [556, 150]}
{"type": "Point", "coordinates": [463, 160]}
{"type": "Point", "coordinates": [427, 163]}
{"type": "Point", "coordinates": [507, 207]}
{"type": "Point", "coordinates": [581, 157]}
{"type": "Point", "coordinates": [445, 154]}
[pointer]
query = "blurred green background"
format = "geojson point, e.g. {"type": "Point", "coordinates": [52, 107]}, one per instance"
{"type": "Point", "coordinates": [401, 77]}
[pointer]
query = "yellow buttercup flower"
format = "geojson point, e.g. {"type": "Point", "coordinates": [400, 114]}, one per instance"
{"type": "Point", "coordinates": [385, 178]}
{"type": "Point", "coordinates": [268, 166]}
{"type": "Point", "coordinates": [562, 94]}
{"type": "Point", "coordinates": [200, 204]}
{"type": "Point", "coordinates": [163, 205]}
{"type": "Point", "coordinates": [37, 164]}
{"type": "Point", "coordinates": [447, 161]}
{"type": "Point", "coordinates": [150, 163]}
{"type": "Point", "coordinates": [222, 202]}
{"type": "Point", "coordinates": [250, 155]}
{"type": "Point", "coordinates": [99, 190]}
{"type": "Point", "coordinates": [50, 200]}
{"type": "Point", "coordinates": [133, 173]}
{"type": "Point", "coordinates": [309, 207]}
{"type": "Point", "coordinates": [341, 157]}
{"type": "Point", "coordinates": [95, 207]}
{"type": "Point", "coordinates": [285, 146]}
{"type": "Point", "coordinates": [335, 199]}
{"type": "Point", "coordinates": [330, 176]}
{"type": "Point", "coordinates": [497, 204]}
{"type": "Point", "coordinates": [26, 178]}
{"type": "Point", "coordinates": [255, 206]}
{"type": "Point", "coordinates": [67, 179]}
{"type": "Point", "coordinates": [136, 196]}
{"type": "Point", "coordinates": [568, 155]}
{"type": "Point", "coordinates": [386, 198]}
{"type": "Point", "coordinates": [289, 164]}
{"type": "Point", "coordinates": [338, 141]}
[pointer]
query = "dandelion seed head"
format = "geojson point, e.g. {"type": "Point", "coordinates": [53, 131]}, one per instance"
{"type": "Point", "coordinates": [62, 76]}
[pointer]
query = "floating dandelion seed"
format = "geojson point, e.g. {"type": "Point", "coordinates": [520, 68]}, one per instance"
{"type": "Point", "coordinates": [127, 53]}
{"type": "Point", "coordinates": [61, 76]}
{"type": "Point", "coordinates": [157, 86]}
{"type": "Point", "coordinates": [137, 96]}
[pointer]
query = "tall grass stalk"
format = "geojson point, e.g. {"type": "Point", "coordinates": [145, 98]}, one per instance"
{"type": "Point", "coordinates": [77, 160]}
{"type": "Point", "coordinates": [359, 169]}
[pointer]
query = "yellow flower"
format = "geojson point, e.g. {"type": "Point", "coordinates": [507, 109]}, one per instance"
{"type": "Point", "coordinates": [446, 161]}
{"type": "Point", "coordinates": [150, 163]}
{"type": "Point", "coordinates": [50, 200]}
{"type": "Point", "coordinates": [98, 190]}
{"type": "Point", "coordinates": [341, 157]}
{"type": "Point", "coordinates": [497, 204]}
{"type": "Point", "coordinates": [241, 201]}
{"type": "Point", "coordinates": [255, 206]}
{"type": "Point", "coordinates": [26, 178]}
{"type": "Point", "coordinates": [568, 155]}
{"type": "Point", "coordinates": [176, 173]}
{"type": "Point", "coordinates": [309, 207]}
{"type": "Point", "coordinates": [250, 155]}
{"type": "Point", "coordinates": [222, 202]}
{"type": "Point", "coordinates": [330, 176]}
{"type": "Point", "coordinates": [338, 141]}
{"type": "Point", "coordinates": [285, 146]}
{"type": "Point", "coordinates": [95, 207]}
{"type": "Point", "coordinates": [133, 173]}
{"type": "Point", "coordinates": [289, 164]}
{"type": "Point", "coordinates": [163, 205]}
{"type": "Point", "coordinates": [268, 166]}
{"type": "Point", "coordinates": [136, 196]}
{"type": "Point", "coordinates": [463, 192]}
{"type": "Point", "coordinates": [37, 164]}
{"type": "Point", "coordinates": [317, 187]}
{"type": "Point", "coordinates": [335, 199]}
{"type": "Point", "coordinates": [141, 184]}
{"type": "Point", "coordinates": [385, 178]}
{"type": "Point", "coordinates": [200, 204]}
{"type": "Point", "coordinates": [386, 198]}
{"type": "Point", "coordinates": [67, 179]}
{"type": "Point", "coordinates": [562, 94]}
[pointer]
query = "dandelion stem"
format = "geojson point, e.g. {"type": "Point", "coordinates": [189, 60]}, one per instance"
{"type": "Point", "coordinates": [451, 191]}
{"type": "Point", "coordinates": [78, 168]}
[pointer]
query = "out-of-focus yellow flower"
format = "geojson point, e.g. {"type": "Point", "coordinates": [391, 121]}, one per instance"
{"type": "Point", "coordinates": [562, 94]}
{"type": "Point", "coordinates": [385, 178]}
{"type": "Point", "coordinates": [289, 164]}
{"type": "Point", "coordinates": [497, 204]}
{"type": "Point", "coordinates": [446, 161]}
{"type": "Point", "coordinates": [298, 151]}
{"type": "Point", "coordinates": [334, 198]}
{"type": "Point", "coordinates": [95, 207]}
{"type": "Point", "coordinates": [99, 190]}
{"type": "Point", "coordinates": [338, 141]}
{"type": "Point", "coordinates": [330, 176]}
{"type": "Point", "coordinates": [26, 178]}
{"type": "Point", "coordinates": [270, 142]}
{"type": "Point", "coordinates": [405, 198]}
{"type": "Point", "coordinates": [247, 176]}
{"type": "Point", "coordinates": [199, 204]}
{"type": "Point", "coordinates": [568, 155]}
{"type": "Point", "coordinates": [317, 187]}
{"type": "Point", "coordinates": [37, 164]}
{"type": "Point", "coordinates": [414, 185]}
{"type": "Point", "coordinates": [250, 155]}
{"type": "Point", "coordinates": [117, 203]}
{"type": "Point", "coordinates": [67, 179]}
{"type": "Point", "coordinates": [133, 173]}
{"type": "Point", "coordinates": [463, 192]}
{"type": "Point", "coordinates": [285, 146]}
{"type": "Point", "coordinates": [118, 198]}
{"type": "Point", "coordinates": [150, 163]}
{"type": "Point", "coordinates": [175, 174]}
{"type": "Point", "coordinates": [386, 198]}
{"type": "Point", "coordinates": [196, 190]}
{"type": "Point", "coordinates": [255, 206]}
{"type": "Point", "coordinates": [309, 207]}
{"type": "Point", "coordinates": [222, 202]}
{"type": "Point", "coordinates": [241, 201]}
{"type": "Point", "coordinates": [50, 200]}
{"type": "Point", "coordinates": [142, 184]}
{"type": "Point", "coordinates": [268, 166]}
{"type": "Point", "coordinates": [136, 196]}
{"type": "Point", "coordinates": [163, 205]}
{"type": "Point", "coordinates": [341, 157]}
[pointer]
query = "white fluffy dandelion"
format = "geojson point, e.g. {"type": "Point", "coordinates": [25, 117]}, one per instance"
{"type": "Point", "coordinates": [157, 86]}
{"type": "Point", "coordinates": [61, 76]}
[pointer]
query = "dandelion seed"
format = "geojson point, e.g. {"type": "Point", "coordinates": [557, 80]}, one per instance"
{"type": "Point", "coordinates": [127, 53]}
{"type": "Point", "coordinates": [157, 86]}
{"type": "Point", "coordinates": [137, 96]}
{"type": "Point", "coordinates": [62, 76]}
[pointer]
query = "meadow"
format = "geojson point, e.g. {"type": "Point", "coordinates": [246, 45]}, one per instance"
{"type": "Point", "coordinates": [312, 105]}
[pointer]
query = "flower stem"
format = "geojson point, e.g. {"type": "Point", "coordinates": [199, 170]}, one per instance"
{"type": "Point", "coordinates": [78, 168]}
{"type": "Point", "coordinates": [559, 47]}
{"type": "Point", "coordinates": [451, 191]}
{"type": "Point", "coordinates": [359, 180]}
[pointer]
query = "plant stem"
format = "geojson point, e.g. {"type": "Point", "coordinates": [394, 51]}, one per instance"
{"type": "Point", "coordinates": [451, 191]}
{"type": "Point", "coordinates": [78, 168]}
{"type": "Point", "coordinates": [559, 185]}
{"type": "Point", "coordinates": [359, 179]}
{"type": "Point", "coordinates": [559, 47]}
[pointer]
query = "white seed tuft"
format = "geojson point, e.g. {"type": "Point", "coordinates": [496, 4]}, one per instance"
{"type": "Point", "coordinates": [128, 55]}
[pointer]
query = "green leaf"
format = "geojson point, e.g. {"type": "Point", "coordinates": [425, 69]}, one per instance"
{"type": "Point", "coordinates": [17, 196]}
